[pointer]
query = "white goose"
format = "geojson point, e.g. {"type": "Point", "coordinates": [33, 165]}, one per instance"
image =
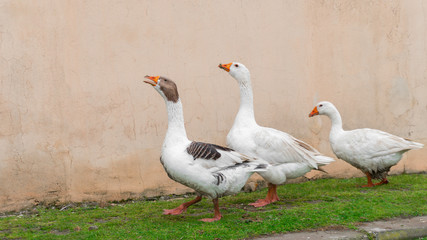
{"type": "Point", "coordinates": [209, 169]}
{"type": "Point", "coordinates": [372, 151]}
{"type": "Point", "coordinates": [289, 157]}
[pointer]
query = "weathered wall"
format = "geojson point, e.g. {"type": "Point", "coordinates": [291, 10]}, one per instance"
{"type": "Point", "coordinates": [77, 123]}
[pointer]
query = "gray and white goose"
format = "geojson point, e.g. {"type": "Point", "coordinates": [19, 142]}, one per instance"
{"type": "Point", "coordinates": [211, 170]}
{"type": "Point", "coordinates": [288, 156]}
{"type": "Point", "coordinates": [372, 151]}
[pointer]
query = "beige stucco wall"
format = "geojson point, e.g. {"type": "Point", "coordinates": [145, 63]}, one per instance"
{"type": "Point", "coordinates": [77, 122]}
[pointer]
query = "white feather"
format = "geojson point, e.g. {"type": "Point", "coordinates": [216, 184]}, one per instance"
{"type": "Point", "coordinates": [289, 157]}
{"type": "Point", "coordinates": [369, 150]}
{"type": "Point", "coordinates": [213, 178]}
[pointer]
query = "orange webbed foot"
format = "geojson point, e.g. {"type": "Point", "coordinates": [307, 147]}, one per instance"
{"type": "Point", "coordinates": [175, 211]}
{"type": "Point", "coordinates": [384, 181]}
{"type": "Point", "coordinates": [216, 218]}
{"type": "Point", "coordinates": [262, 202]}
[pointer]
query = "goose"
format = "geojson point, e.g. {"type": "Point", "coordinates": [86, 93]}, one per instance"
{"type": "Point", "coordinates": [288, 156]}
{"type": "Point", "coordinates": [372, 151]}
{"type": "Point", "coordinates": [211, 170]}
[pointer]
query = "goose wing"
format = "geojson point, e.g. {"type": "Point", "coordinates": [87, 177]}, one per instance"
{"type": "Point", "coordinates": [215, 157]}
{"type": "Point", "coordinates": [278, 147]}
{"type": "Point", "coordinates": [369, 143]}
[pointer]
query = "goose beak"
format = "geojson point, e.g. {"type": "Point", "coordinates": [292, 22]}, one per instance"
{"type": "Point", "coordinates": [314, 112]}
{"type": "Point", "coordinates": [152, 80]}
{"type": "Point", "coordinates": [226, 67]}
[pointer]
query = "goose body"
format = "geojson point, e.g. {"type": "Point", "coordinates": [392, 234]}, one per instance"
{"type": "Point", "coordinates": [211, 170]}
{"type": "Point", "coordinates": [190, 164]}
{"type": "Point", "coordinates": [372, 151]}
{"type": "Point", "coordinates": [289, 157]}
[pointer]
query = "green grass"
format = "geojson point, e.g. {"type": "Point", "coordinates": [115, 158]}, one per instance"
{"type": "Point", "coordinates": [320, 204]}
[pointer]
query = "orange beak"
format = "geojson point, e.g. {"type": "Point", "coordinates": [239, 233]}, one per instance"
{"type": "Point", "coordinates": [314, 112]}
{"type": "Point", "coordinates": [152, 80]}
{"type": "Point", "coordinates": [226, 67]}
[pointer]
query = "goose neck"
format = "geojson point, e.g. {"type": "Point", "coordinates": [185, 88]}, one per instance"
{"type": "Point", "coordinates": [336, 121]}
{"type": "Point", "coordinates": [246, 109]}
{"type": "Point", "coordinates": [176, 127]}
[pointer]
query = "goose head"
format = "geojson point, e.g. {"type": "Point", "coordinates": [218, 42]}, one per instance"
{"type": "Point", "coordinates": [166, 87]}
{"type": "Point", "coordinates": [237, 70]}
{"type": "Point", "coordinates": [323, 108]}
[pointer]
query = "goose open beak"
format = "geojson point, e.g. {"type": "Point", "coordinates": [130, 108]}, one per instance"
{"type": "Point", "coordinates": [314, 112]}
{"type": "Point", "coordinates": [226, 67]}
{"type": "Point", "coordinates": [152, 80]}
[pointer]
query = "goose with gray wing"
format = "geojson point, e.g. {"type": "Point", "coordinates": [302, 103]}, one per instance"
{"type": "Point", "coordinates": [211, 170]}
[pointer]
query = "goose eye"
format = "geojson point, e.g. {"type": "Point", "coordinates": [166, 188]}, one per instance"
{"type": "Point", "coordinates": [321, 105]}
{"type": "Point", "coordinates": [236, 65]}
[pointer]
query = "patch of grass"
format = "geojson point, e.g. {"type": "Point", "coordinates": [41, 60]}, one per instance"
{"type": "Point", "coordinates": [320, 204]}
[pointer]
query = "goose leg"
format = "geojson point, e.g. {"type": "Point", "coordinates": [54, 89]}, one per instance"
{"type": "Point", "coordinates": [383, 181]}
{"type": "Point", "coordinates": [182, 208]}
{"type": "Point", "coordinates": [270, 198]}
{"type": "Point", "coordinates": [370, 184]}
{"type": "Point", "coordinates": [217, 213]}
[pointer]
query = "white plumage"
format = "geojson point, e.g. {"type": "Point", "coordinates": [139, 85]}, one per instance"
{"type": "Point", "coordinates": [289, 157]}
{"type": "Point", "coordinates": [209, 169]}
{"type": "Point", "coordinates": [372, 151]}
